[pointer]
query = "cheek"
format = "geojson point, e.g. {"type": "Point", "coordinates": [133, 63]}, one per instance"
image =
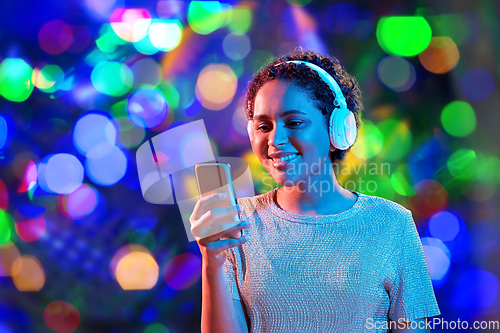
{"type": "Point", "coordinates": [259, 144]}
{"type": "Point", "coordinates": [316, 147]}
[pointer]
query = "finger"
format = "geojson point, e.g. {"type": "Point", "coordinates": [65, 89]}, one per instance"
{"type": "Point", "coordinates": [222, 234]}
{"type": "Point", "coordinates": [202, 204]}
{"type": "Point", "coordinates": [215, 215]}
{"type": "Point", "coordinates": [214, 238]}
{"type": "Point", "coordinates": [225, 244]}
{"type": "Point", "coordinates": [237, 233]}
{"type": "Point", "coordinates": [223, 212]}
{"type": "Point", "coordinates": [234, 232]}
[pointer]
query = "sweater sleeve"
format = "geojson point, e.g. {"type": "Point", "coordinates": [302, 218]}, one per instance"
{"type": "Point", "coordinates": [411, 293]}
{"type": "Point", "coordinates": [231, 270]}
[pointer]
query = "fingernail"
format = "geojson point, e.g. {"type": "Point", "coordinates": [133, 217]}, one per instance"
{"type": "Point", "coordinates": [222, 195]}
{"type": "Point", "coordinates": [240, 208]}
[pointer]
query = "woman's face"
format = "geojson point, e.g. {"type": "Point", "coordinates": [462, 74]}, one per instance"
{"type": "Point", "coordinates": [287, 123]}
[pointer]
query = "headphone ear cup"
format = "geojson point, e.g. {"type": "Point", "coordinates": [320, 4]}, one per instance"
{"type": "Point", "coordinates": [250, 133]}
{"type": "Point", "coordinates": [351, 131]}
{"type": "Point", "coordinates": [343, 129]}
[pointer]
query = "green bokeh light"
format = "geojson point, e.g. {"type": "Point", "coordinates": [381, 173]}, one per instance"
{"type": "Point", "coordinates": [170, 93]}
{"type": "Point", "coordinates": [5, 227]}
{"type": "Point", "coordinates": [112, 78]}
{"type": "Point", "coordinates": [369, 142]}
{"type": "Point", "coordinates": [108, 39]}
{"type": "Point", "coordinates": [204, 17]}
{"type": "Point", "coordinates": [378, 185]}
{"type": "Point", "coordinates": [298, 2]}
{"type": "Point", "coordinates": [400, 181]}
{"type": "Point", "coordinates": [403, 35]}
{"type": "Point", "coordinates": [487, 168]}
{"type": "Point", "coordinates": [458, 119]}
{"type": "Point", "coordinates": [241, 20]}
{"type": "Point", "coordinates": [454, 25]}
{"type": "Point", "coordinates": [156, 328]}
{"type": "Point", "coordinates": [105, 44]}
{"type": "Point", "coordinates": [397, 139]}
{"type": "Point", "coordinates": [462, 164]}
{"type": "Point", "coordinates": [259, 58]}
{"type": "Point", "coordinates": [238, 67]}
{"type": "Point", "coordinates": [15, 80]}
{"type": "Point", "coordinates": [54, 74]}
{"type": "Point", "coordinates": [119, 109]}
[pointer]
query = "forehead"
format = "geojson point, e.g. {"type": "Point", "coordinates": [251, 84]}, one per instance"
{"type": "Point", "coordinates": [277, 96]}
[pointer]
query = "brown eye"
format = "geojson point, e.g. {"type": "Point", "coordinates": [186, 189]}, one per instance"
{"type": "Point", "coordinates": [295, 123]}
{"type": "Point", "coordinates": [261, 127]}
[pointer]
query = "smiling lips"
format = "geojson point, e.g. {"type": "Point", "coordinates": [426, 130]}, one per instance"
{"type": "Point", "coordinates": [283, 161]}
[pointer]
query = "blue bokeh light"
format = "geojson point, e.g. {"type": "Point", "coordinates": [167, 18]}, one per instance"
{"type": "Point", "coordinates": [147, 108]}
{"type": "Point", "coordinates": [477, 84]}
{"type": "Point", "coordinates": [60, 173]}
{"type": "Point", "coordinates": [444, 225]}
{"type": "Point", "coordinates": [3, 132]}
{"type": "Point", "coordinates": [475, 289]}
{"type": "Point", "coordinates": [438, 259]}
{"type": "Point", "coordinates": [106, 166]}
{"type": "Point", "coordinates": [91, 130]}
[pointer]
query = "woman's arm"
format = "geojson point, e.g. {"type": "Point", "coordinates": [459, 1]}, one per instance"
{"type": "Point", "coordinates": [419, 323]}
{"type": "Point", "coordinates": [218, 311]}
{"type": "Point", "coordinates": [218, 314]}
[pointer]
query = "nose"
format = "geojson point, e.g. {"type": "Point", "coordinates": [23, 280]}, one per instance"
{"type": "Point", "coordinates": [278, 136]}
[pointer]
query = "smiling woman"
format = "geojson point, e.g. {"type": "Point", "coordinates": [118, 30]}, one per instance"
{"type": "Point", "coordinates": [316, 257]}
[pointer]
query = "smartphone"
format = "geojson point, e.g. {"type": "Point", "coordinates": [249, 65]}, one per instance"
{"type": "Point", "coordinates": [215, 177]}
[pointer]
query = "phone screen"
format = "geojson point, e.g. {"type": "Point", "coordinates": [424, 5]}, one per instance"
{"type": "Point", "coordinates": [211, 178]}
{"type": "Point", "coordinates": [216, 178]}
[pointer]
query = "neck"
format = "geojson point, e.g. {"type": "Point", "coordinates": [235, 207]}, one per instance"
{"type": "Point", "coordinates": [325, 198]}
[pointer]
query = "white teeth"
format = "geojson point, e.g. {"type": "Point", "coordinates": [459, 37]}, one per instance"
{"type": "Point", "coordinates": [286, 158]}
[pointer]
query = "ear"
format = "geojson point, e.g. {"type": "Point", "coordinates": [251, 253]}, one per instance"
{"type": "Point", "coordinates": [250, 133]}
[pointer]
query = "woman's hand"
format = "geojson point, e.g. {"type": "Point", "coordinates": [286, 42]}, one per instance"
{"type": "Point", "coordinates": [213, 248]}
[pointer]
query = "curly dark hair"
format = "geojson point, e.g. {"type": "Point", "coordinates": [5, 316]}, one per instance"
{"type": "Point", "coordinates": [310, 82]}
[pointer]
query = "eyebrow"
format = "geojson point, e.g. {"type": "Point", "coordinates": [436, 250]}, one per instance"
{"type": "Point", "coordinates": [283, 114]}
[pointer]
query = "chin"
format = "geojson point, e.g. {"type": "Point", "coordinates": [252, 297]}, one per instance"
{"type": "Point", "coordinates": [287, 181]}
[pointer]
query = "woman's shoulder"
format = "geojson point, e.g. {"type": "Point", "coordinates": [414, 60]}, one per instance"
{"type": "Point", "coordinates": [384, 207]}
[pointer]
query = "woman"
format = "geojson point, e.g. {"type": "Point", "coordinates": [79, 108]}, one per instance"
{"type": "Point", "coordinates": [315, 257]}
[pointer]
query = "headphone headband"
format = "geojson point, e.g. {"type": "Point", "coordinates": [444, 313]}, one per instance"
{"type": "Point", "coordinates": [327, 78]}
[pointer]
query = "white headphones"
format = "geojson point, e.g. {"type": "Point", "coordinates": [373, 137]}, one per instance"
{"type": "Point", "coordinates": [342, 128]}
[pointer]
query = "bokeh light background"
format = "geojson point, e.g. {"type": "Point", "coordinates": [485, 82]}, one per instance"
{"type": "Point", "coordinates": [84, 83]}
